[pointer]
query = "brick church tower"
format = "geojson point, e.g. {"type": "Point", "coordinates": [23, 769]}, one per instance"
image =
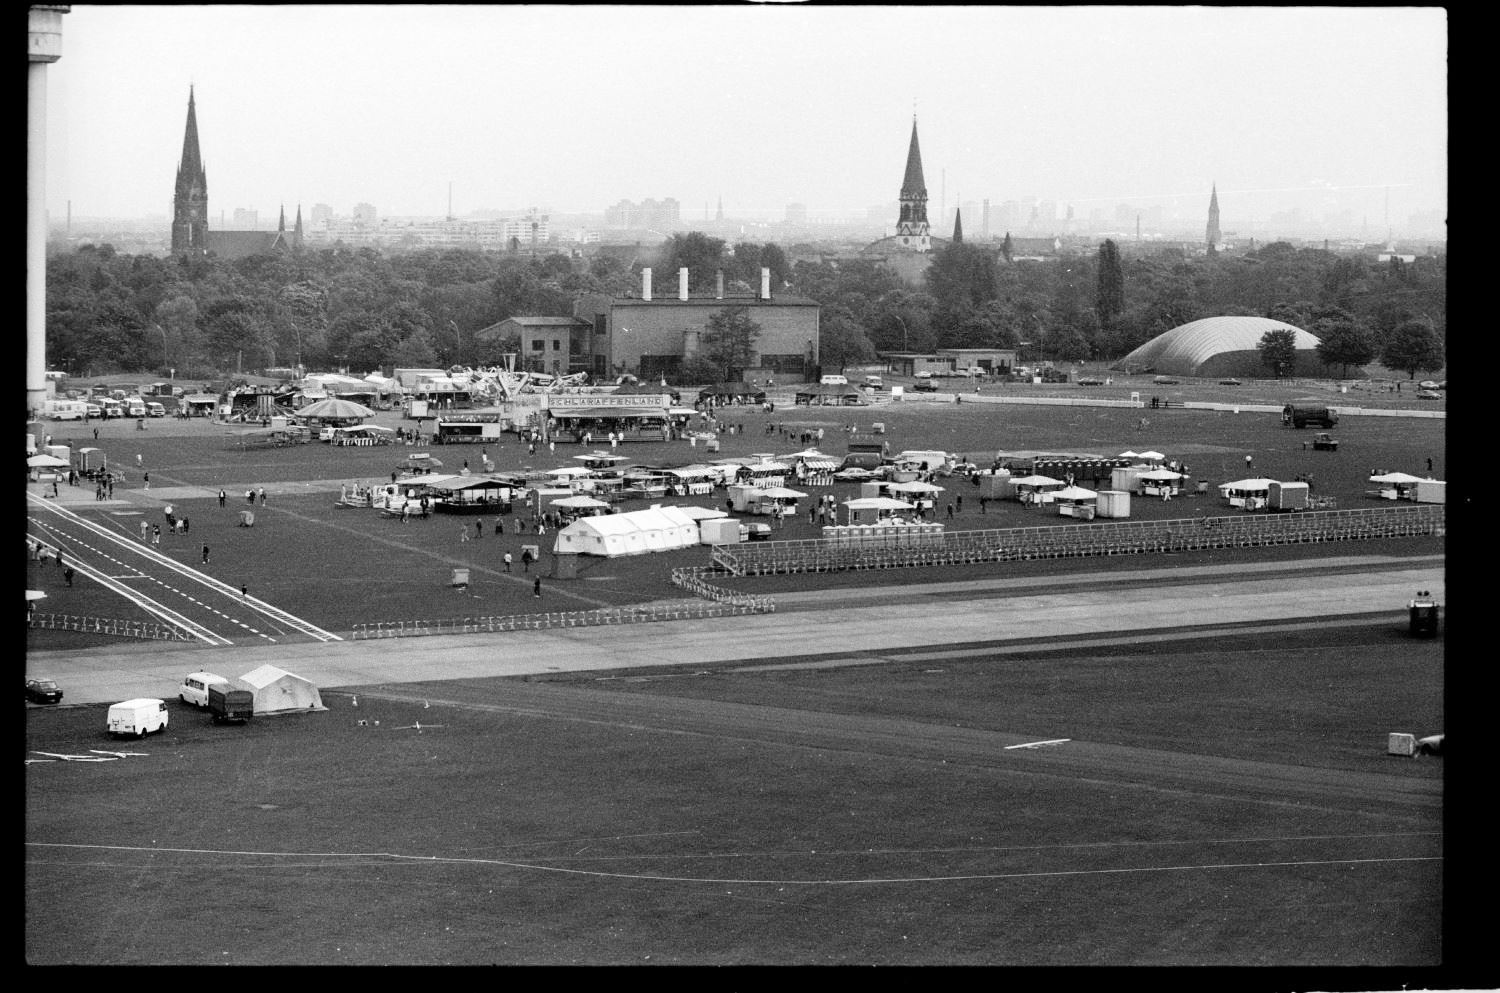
{"type": "Point", "coordinates": [912, 231]}
{"type": "Point", "coordinates": [190, 200]}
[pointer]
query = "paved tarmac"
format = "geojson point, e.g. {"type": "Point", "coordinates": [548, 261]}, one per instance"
{"type": "Point", "coordinates": [843, 624]}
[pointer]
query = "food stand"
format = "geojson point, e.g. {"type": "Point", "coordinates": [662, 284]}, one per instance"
{"type": "Point", "coordinates": [1247, 494]}
{"type": "Point", "coordinates": [1076, 501]}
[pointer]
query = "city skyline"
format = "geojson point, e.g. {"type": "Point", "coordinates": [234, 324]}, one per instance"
{"type": "Point", "coordinates": [1085, 107]}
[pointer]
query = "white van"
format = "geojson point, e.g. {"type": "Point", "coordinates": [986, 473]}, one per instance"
{"type": "Point", "coordinates": [137, 718]}
{"type": "Point", "coordinates": [194, 688]}
{"type": "Point", "coordinates": [135, 406]}
{"type": "Point", "coordinates": [154, 409]}
{"type": "Point", "coordinates": [835, 380]}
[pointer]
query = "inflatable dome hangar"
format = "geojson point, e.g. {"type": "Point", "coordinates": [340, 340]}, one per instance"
{"type": "Point", "coordinates": [1219, 346]}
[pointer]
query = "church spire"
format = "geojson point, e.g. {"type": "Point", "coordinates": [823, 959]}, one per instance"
{"type": "Point", "coordinates": [281, 224]}
{"type": "Point", "coordinates": [1212, 236]}
{"type": "Point", "coordinates": [912, 184]}
{"type": "Point", "coordinates": [911, 227]}
{"type": "Point", "coordinates": [958, 226]}
{"type": "Point", "coordinates": [190, 197]}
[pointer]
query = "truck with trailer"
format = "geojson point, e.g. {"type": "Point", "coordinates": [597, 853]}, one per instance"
{"type": "Point", "coordinates": [1299, 416]}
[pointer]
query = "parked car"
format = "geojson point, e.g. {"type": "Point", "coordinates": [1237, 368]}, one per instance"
{"type": "Point", "coordinates": [43, 691]}
{"type": "Point", "coordinates": [1229, 382]}
{"type": "Point", "coordinates": [1090, 381]}
{"type": "Point", "coordinates": [1429, 395]}
{"type": "Point", "coordinates": [1166, 380]}
{"type": "Point", "coordinates": [924, 386]}
{"type": "Point", "coordinates": [1325, 442]}
{"type": "Point", "coordinates": [1428, 384]}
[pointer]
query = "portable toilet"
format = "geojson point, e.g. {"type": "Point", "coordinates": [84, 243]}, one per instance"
{"type": "Point", "coordinates": [63, 452]}
{"type": "Point", "coordinates": [1287, 496]}
{"type": "Point", "coordinates": [1114, 503]}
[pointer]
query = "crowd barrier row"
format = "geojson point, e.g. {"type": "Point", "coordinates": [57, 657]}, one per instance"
{"type": "Point", "coordinates": [145, 630]}
{"type": "Point", "coordinates": [715, 602]}
{"type": "Point", "coordinates": [1070, 541]}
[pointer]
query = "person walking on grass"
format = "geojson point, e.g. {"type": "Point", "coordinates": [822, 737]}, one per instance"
{"type": "Point", "coordinates": [507, 561]}
{"type": "Point", "coordinates": [156, 534]}
{"type": "Point", "coordinates": [536, 587]}
{"type": "Point", "coordinates": [222, 497]}
{"type": "Point", "coordinates": [205, 555]}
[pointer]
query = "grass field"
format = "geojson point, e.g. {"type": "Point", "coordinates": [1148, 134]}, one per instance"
{"type": "Point", "coordinates": [854, 815]}
{"type": "Point", "coordinates": [338, 567]}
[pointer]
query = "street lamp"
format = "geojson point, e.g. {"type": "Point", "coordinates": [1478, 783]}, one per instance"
{"type": "Point", "coordinates": [164, 357]}
{"type": "Point", "coordinates": [298, 332]}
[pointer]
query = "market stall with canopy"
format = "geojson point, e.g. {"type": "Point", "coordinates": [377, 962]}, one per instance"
{"type": "Point", "coordinates": [471, 495]}
{"type": "Point", "coordinates": [882, 508]}
{"type": "Point", "coordinates": [1035, 489]}
{"type": "Point", "coordinates": [1076, 501]}
{"type": "Point", "coordinates": [1159, 482]}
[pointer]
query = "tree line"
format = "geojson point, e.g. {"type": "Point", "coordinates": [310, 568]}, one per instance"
{"type": "Point", "coordinates": [366, 309]}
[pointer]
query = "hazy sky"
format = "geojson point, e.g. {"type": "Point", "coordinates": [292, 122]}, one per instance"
{"type": "Point", "coordinates": [573, 108]}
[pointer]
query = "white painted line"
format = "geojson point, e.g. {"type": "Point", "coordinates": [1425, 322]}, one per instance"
{"type": "Point", "coordinates": [1039, 744]}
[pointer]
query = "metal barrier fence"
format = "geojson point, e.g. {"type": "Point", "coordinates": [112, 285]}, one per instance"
{"type": "Point", "coordinates": [1069, 541]}
{"type": "Point", "coordinates": [145, 630]}
{"type": "Point", "coordinates": [719, 603]}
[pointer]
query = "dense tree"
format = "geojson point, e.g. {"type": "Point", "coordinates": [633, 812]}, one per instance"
{"type": "Point", "coordinates": [1278, 351]}
{"type": "Point", "coordinates": [1343, 343]}
{"type": "Point", "coordinates": [728, 342]}
{"type": "Point", "coordinates": [961, 278]}
{"type": "Point", "coordinates": [1412, 348]}
{"type": "Point", "coordinates": [701, 255]}
{"type": "Point", "coordinates": [841, 341]}
{"type": "Point", "coordinates": [1109, 301]}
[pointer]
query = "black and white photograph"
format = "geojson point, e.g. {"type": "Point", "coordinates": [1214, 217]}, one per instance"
{"type": "Point", "coordinates": [744, 485]}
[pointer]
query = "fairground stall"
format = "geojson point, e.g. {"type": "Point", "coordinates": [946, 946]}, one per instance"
{"type": "Point", "coordinates": [361, 436]}
{"type": "Point", "coordinates": [1076, 501]}
{"type": "Point", "coordinates": [571, 508]}
{"type": "Point", "coordinates": [1403, 486]}
{"type": "Point", "coordinates": [695, 480]}
{"type": "Point", "coordinates": [765, 501]}
{"type": "Point", "coordinates": [469, 428]}
{"type": "Point", "coordinates": [811, 467]}
{"type": "Point", "coordinates": [1247, 494]}
{"type": "Point", "coordinates": [1035, 490]}
{"type": "Point", "coordinates": [591, 419]}
{"type": "Point", "coordinates": [472, 495]}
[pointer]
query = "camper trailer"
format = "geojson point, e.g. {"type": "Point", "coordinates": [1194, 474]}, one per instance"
{"type": "Point", "coordinates": [1301, 417]}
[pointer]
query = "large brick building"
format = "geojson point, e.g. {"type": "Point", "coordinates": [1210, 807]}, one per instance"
{"type": "Point", "coordinates": [651, 334]}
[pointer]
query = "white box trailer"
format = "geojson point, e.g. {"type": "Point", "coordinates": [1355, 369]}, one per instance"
{"type": "Point", "coordinates": [1431, 491]}
{"type": "Point", "coordinates": [1287, 496]}
{"type": "Point", "coordinates": [64, 410]}
{"type": "Point", "coordinates": [137, 718]}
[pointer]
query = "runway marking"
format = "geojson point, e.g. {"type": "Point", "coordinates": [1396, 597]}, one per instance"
{"type": "Point", "coordinates": [1039, 744]}
{"type": "Point", "coordinates": [722, 881]}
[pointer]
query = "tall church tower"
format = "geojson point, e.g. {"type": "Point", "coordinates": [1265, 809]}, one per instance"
{"type": "Point", "coordinates": [1212, 235]}
{"type": "Point", "coordinates": [190, 201]}
{"type": "Point", "coordinates": [911, 227]}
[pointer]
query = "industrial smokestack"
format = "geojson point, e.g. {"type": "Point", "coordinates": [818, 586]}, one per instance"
{"type": "Point", "coordinates": [719, 286]}
{"type": "Point", "coordinates": [645, 284]}
{"type": "Point", "coordinates": [765, 283]}
{"type": "Point", "coordinates": [682, 284]}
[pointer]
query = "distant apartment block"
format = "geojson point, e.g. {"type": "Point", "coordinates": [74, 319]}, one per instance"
{"type": "Point", "coordinates": [664, 215]}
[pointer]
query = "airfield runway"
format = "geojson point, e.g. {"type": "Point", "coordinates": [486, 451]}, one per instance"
{"type": "Point", "coordinates": [840, 624]}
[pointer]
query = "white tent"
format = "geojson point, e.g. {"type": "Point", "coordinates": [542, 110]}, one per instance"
{"type": "Point", "coordinates": [1074, 494]}
{"type": "Point", "coordinates": [1165, 475]}
{"type": "Point", "coordinates": [1397, 477]}
{"type": "Point", "coordinates": [656, 529]}
{"type": "Point", "coordinates": [278, 691]}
